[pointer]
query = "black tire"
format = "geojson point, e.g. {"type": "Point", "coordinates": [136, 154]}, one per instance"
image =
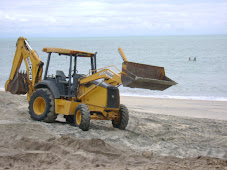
{"type": "Point", "coordinates": [124, 118]}
{"type": "Point", "coordinates": [41, 106]}
{"type": "Point", "coordinates": [69, 119]}
{"type": "Point", "coordinates": [82, 117]}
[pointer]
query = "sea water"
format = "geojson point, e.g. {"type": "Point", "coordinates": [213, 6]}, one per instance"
{"type": "Point", "coordinates": [203, 79]}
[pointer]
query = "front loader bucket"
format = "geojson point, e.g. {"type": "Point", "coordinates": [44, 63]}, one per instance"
{"type": "Point", "coordinates": [17, 85]}
{"type": "Point", "coordinates": [135, 75]}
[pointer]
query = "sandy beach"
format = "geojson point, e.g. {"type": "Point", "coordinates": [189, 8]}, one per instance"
{"type": "Point", "coordinates": [161, 134]}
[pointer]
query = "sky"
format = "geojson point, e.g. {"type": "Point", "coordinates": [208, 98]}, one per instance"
{"type": "Point", "coordinates": [83, 18]}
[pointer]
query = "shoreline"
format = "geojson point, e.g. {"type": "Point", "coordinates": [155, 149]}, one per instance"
{"type": "Point", "coordinates": [203, 98]}
{"type": "Point", "coordinates": [178, 107]}
{"type": "Point", "coordinates": [175, 107]}
{"type": "Point", "coordinates": [194, 98]}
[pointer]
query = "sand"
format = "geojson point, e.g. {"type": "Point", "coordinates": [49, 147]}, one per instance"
{"type": "Point", "coordinates": [176, 107]}
{"type": "Point", "coordinates": [162, 134]}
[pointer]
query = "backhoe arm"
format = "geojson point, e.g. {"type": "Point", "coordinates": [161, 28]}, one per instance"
{"type": "Point", "coordinates": [22, 83]}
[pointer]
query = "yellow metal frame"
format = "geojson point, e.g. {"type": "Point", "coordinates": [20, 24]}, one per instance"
{"type": "Point", "coordinates": [67, 52]}
{"type": "Point", "coordinates": [67, 107]}
{"type": "Point", "coordinates": [107, 74]}
{"type": "Point", "coordinates": [122, 54]}
{"type": "Point", "coordinates": [103, 68]}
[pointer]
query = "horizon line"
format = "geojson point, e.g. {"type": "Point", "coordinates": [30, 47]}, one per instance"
{"type": "Point", "coordinates": [112, 36]}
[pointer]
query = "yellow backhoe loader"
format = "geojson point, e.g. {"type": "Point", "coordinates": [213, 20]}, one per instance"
{"type": "Point", "coordinates": [79, 97]}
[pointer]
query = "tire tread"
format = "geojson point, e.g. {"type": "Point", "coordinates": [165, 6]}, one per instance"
{"type": "Point", "coordinates": [85, 117]}
{"type": "Point", "coordinates": [50, 116]}
{"type": "Point", "coordinates": [124, 118]}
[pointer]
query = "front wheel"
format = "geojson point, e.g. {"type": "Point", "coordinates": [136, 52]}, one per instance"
{"type": "Point", "coordinates": [122, 121]}
{"type": "Point", "coordinates": [42, 106]}
{"type": "Point", "coordinates": [82, 117]}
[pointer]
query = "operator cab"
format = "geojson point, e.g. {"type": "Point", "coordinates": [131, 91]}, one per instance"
{"type": "Point", "coordinates": [67, 86]}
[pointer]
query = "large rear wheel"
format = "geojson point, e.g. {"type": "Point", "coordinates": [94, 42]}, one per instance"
{"type": "Point", "coordinates": [122, 121]}
{"type": "Point", "coordinates": [42, 106]}
{"type": "Point", "coordinates": [82, 117]}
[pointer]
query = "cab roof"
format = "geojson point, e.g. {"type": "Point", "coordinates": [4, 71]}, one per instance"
{"type": "Point", "coordinates": [68, 52]}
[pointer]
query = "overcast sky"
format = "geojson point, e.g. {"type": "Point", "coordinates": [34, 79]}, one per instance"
{"type": "Point", "coordinates": [82, 18]}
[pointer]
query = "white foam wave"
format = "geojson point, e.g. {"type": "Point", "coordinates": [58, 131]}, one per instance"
{"type": "Point", "coordinates": [210, 98]}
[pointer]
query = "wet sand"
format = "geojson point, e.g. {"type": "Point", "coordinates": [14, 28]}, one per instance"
{"type": "Point", "coordinates": [161, 134]}
{"type": "Point", "coordinates": [177, 107]}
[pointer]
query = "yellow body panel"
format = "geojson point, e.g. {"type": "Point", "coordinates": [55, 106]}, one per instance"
{"type": "Point", "coordinates": [96, 100]}
{"type": "Point", "coordinates": [65, 107]}
{"type": "Point", "coordinates": [97, 97]}
{"type": "Point", "coordinates": [92, 88]}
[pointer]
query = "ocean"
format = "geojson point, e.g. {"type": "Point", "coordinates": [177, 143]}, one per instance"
{"type": "Point", "coordinates": [203, 79]}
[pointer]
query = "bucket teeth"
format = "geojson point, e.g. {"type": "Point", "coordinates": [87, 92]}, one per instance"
{"type": "Point", "coordinates": [17, 85]}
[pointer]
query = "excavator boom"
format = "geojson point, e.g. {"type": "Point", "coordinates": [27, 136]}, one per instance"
{"type": "Point", "coordinates": [22, 83]}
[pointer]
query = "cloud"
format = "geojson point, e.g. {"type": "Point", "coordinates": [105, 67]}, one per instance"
{"type": "Point", "coordinates": [106, 18]}
{"type": "Point", "coordinates": [9, 17]}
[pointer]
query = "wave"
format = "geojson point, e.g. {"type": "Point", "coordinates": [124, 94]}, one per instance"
{"type": "Point", "coordinates": [209, 98]}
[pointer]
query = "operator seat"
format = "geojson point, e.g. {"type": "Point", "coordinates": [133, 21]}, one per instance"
{"type": "Point", "coordinates": [61, 82]}
{"type": "Point", "coordinates": [60, 76]}
{"type": "Point", "coordinates": [75, 81]}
